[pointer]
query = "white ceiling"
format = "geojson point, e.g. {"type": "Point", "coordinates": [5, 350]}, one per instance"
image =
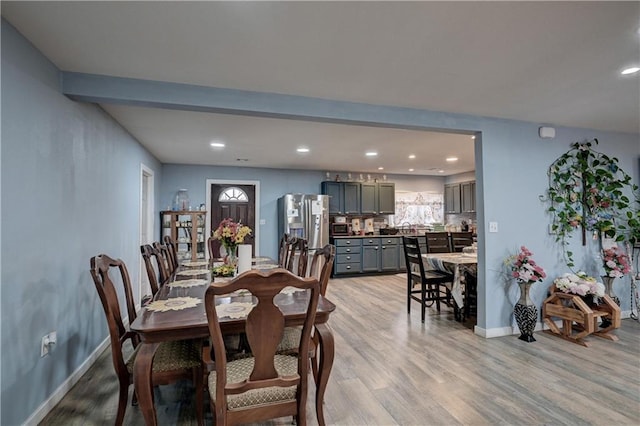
{"type": "Point", "coordinates": [554, 63]}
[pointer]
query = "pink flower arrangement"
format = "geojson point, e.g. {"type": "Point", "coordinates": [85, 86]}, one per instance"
{"type": "Point", "coordinates": [616, 263]}
{"type": "Point", "coordinates": [580, 284]}
{"type": "Point", "coordinates": [524, 269]}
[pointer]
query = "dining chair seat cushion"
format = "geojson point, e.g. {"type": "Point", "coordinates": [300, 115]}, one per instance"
{"type": "Point", "coordinates": [290, 340]}
{"type": "Point", "coordinates": [239, 370]}
{"type": "Point", "coordinates": [172, 356]}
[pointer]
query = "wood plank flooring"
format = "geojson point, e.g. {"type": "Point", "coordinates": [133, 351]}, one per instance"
{"type": "Point", "coordinates": [390, 369]}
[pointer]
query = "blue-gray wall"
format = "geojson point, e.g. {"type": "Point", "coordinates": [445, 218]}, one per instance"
{"type": "Point", "coordinates": [70, 190]}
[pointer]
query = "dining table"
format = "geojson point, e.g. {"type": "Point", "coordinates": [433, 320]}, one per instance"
{"type": "Point", "coordinates": [456, 264]}
{"type": "Point", "coordinates": [177, 312]}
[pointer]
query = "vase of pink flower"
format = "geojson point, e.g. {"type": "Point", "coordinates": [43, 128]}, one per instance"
{"type": "Point", "coordinates": [616, 265]}
{"type": "Point", "coordinates": [526, 272]}
{"type": "Point", "coordinates": [231, 234]}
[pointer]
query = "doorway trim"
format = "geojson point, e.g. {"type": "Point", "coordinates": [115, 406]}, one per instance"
{"type": "Point", "coordinates": [147, 217]}
{"type": "Point", "coordinates": [256, 205]}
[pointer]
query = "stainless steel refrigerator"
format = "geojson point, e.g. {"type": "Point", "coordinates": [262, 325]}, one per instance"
{"type": "Point", "coordinates": [305, 216]}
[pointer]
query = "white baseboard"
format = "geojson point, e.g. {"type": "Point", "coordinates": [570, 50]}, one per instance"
{"type": "Point", "coordinates": [44, 408]}
{"type": "Point", "coordinates": [508, 331]}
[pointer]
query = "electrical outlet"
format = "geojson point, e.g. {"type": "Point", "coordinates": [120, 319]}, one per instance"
{"type": "Point", "coordinates": [48, 342]}
{"type": "Point", "coordinates": [493, 226]}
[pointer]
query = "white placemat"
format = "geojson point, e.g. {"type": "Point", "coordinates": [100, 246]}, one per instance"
{"type": "Point", "coordinates": [173, 304]}
{"type": "Point", "coordinates": [264, 266]}
{"type": "Point", "coordinates": [187, 283]}
{"type": "Point", "coordinates": [193, 272]}
{"type": "Point", "coordinates": [195, 264]}
{"type": "Point", "coordinates": [234, 310]}
{"type": "Point", "coordinates": [290, 290]}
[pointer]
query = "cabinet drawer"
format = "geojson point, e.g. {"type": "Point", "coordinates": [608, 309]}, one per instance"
{"type": "Point", "coordinates": [371, 241]}
{"type": "Point", "coordinates": [348, 258]}
{"type": "Point", "coordinates": [389, 241]}
{"type": "Point", "coordinates": [348, 268]}
{"type": "Point", "coordinates": [346, 242]}
{"type": "Point", "coordinates": [348, 250]}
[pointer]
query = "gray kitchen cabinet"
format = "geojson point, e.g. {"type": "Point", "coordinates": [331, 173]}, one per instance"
{"type": "Point", "coordinates": [386, 198]}
{"type": "Point", "coordinates": [348, 256]}
{"type": "Point", "coordinates": [335, 191]}
{"type": "Point", "coordinates": [371, 254]}
{"type": "Point", "coordinates": [452, 202]}
{"type": "Point", "coordinates": [377, 198]}
{"type": "Point", "coordinates": [344, 197]}
{"type": "Point", "coordinates": [389, 260]}
{"type": "Point", "coordinates": [351, 198]}
{"type": "Point", "coordinates": [468, 196]}
{"type": "Point", "coordinates": [369, 198]}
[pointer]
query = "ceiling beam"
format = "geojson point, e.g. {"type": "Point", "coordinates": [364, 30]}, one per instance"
{"type": "Point", "coordinates": [104, 89]}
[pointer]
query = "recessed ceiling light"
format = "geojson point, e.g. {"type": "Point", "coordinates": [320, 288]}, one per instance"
{"type": "Point", "coordinates": [410, 170]}
{"type": "Point", "coordinates": [371, 154]}
{"type": "Point", "coordinates": [473, 137]}
{"type": "Point", "coordinates": [217, 144]}
{"type": "Point", "coordinates": [302, 150]}
{"type": "Point", "coordinates": [440, 171]}
{"type": "Point", "coordinates": [412, 156]}
{"type": "Point", "coordinates": [631, 70]}
{"type": "Point", "coordinates": [451, 159]}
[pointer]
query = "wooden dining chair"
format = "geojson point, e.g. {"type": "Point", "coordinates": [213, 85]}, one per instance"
{"type": "Point", "coordinates": [438, 242]}
{"type": "Point", "coordinates": [158, 275]}
{"type": "Point", "coordinates": [322, 266]}
{"type": "Point", "coordinates": [173, 361]}
{"type": "Point", "coordinates": [266, 384]}
{"type": "Point", "coordinates": [167, 259]}
{"type": "Point", "coordinates": [173, 249]}
{"type": "Point", "coordinates": [432, 288]}
{"type": "Point", "coordinates": [460, 240]}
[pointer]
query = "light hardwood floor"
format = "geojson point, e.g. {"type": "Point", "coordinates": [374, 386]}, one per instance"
{"type": "Point", "coordinates": [390, 369]}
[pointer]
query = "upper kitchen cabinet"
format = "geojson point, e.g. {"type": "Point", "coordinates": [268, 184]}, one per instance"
{"type": "Point", "coordinates": [344, 197]}
{"type": "Point", "coordinates": [386, 198]}
{"type": "Point", "coordinates": [377, 198]}
{"type": "Point", "coordinates": [452, 202]}
{"type": "Point", "coordinates": [460, 197]}
{"type": "Point", "coordinates": [468, 196]}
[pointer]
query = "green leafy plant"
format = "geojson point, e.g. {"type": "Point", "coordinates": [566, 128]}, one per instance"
{"type": "Point", "coordinates": [588, 192]}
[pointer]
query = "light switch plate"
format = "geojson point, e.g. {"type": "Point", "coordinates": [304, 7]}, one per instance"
{"type": "Point", "coordinates": [493, 226]}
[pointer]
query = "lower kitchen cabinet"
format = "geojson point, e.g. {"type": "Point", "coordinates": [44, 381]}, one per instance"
{"type": "Point", "coordinates": [368, 255]}
{"type": "Point", "coordinates": [371, 254]}
{"type": "Point", "coordinates": [348, 258]}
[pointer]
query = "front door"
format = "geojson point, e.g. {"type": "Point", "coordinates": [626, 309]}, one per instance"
{"type": "Point", "coordinates": [236, 202]}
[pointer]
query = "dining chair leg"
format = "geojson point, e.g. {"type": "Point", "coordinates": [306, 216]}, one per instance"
{"type": "Point", "coordinates": [409, 287]}
{"type": "Point", "coordinates": [123, 397]}
{"type": "Point", "coordinates": [423, 290]}
{"type": "Point", "coordinates": [198, 381]}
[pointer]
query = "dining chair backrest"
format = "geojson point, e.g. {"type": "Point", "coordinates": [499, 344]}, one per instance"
{"type": "Point", "coordinates": [213, 247]}
{"type": "Point", "coordinates": [438, 242]}
{"type": "Point", "coordinates": [413, 257]}
{"type": "Point", "coordinates": [322, 266]}
{"type": "Point", "coordinates": [154, 265]}
{"type": "Point", "coordinates": [283, 249]}
{"type": "Point", "coordinates": [299, 257]}
{"type": "Point", "coordinates": [173, 249]}
{"type": "Point", "coordinates": [294, 255]}
{"type": "Point", "coordinates": [460, 240]}
{"type": "Point", "coordinates": [167, 259]}
{"type": "Point", "coordinates": [264, 328]}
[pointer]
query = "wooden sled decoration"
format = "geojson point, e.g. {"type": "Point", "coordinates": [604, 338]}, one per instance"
{"type": "Point", "coordinates": [579, 318]}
